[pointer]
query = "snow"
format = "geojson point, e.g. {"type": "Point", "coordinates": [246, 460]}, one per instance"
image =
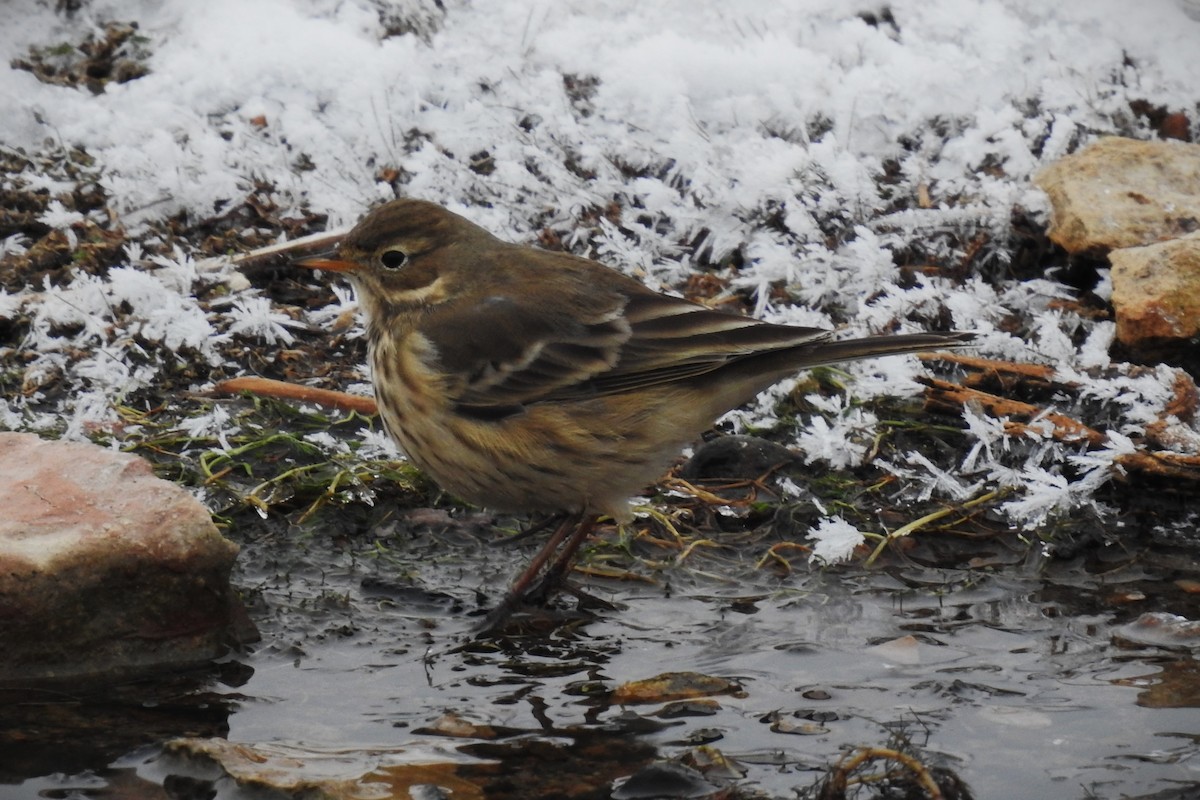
{"type": "Point", "coordinates": [764, 127]}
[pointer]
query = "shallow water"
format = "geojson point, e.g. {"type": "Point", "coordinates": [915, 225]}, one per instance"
{"type": "Point", "coordinates": [1024, 680]}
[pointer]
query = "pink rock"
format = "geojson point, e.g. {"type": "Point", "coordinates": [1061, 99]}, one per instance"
{"type": "Point", "coordinates": [105, 569]}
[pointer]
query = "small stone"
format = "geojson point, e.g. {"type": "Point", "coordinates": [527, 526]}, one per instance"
{"type": "Point", "coordinates": [1121, 192]}
{"type": "Point", "coordinates": [661, 780]}
{"type": "Point", "coordinates": [670, 686]}
{"type": "Point", "coordinates": [1160, 629]}
{"type": "Point", "coordinates": [1156, 293]}
{"type": "Point", "coordinates": [736, 457]}
{"type": "Point", "coordinates": [105, 569]}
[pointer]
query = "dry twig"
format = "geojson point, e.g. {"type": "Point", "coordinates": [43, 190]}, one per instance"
{"type": "Point", "coordinates": [282, 390]}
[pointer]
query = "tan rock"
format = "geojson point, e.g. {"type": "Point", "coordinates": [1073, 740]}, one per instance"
{"type": "Point", "coordinates": [1122, 192]}
{"type": "Point", "coordinates": [293, 770]}
{"type": "Point", "coordinates": [104, 568]}
{"type": "Point", "coordinates": [1156, 293]}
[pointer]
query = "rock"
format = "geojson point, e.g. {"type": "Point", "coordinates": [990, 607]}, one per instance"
{"type": "Point", "coordinates": [736, 457]}
{"type": "Point", "coordinates": [1122, 192]}
{"type": "Point", "coordinates": [664, 779]}
{"type": "Point", "coordinates": [1156, 294]}
{"type": "Point", "coordinates": [217, 767]}
{"type": "Point", "coordinates": [105, 570]}
{"type": "Point", "coordinates": [1140, 203]}
{"type": "Point", "coordinates": [1160, 629]}
{"type": "Point", "coordinates": [278, 769]}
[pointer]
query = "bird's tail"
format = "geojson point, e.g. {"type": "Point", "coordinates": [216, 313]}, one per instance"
{"type": "Point", "coordinates": [831, 352]}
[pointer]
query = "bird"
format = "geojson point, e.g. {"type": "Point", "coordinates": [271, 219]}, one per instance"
{"type": "Point", "coordinates": [525, 380]}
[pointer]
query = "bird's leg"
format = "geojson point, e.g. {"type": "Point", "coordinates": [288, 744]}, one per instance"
{"type": "Point", "coordinates": [534, 529]}
{"type": "Point", "coordinates": [558, 570]}
{"type": "Point", "coordinates": [527, 588]}
{"type": "Point", "coordinates": [521, 585]}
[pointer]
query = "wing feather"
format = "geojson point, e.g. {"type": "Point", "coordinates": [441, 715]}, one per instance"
{"type": "Point", "coordinates": [505, 352]}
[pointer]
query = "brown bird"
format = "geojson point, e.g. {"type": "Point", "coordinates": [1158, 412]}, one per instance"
{"type": "Point", "coordinates": [525, 380]}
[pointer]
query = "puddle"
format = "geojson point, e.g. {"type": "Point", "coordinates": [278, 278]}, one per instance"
{"type": "Point", "coordinates": [1035, 680]}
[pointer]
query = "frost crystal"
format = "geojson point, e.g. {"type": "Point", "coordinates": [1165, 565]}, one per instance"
{"type": "Point", "coordinates": [254, 316]}
{"type": "Point", "coordinates": [834, 540]}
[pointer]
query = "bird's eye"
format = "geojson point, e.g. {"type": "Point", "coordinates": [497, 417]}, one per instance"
{"type": "Point", "coordinates": [393, 259]}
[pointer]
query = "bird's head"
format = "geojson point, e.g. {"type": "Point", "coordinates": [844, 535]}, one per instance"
{"type": "Point", "coordinates": [404, 256]}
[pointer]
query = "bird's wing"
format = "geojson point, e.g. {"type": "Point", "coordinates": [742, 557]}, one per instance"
{"type": "Point", "coordinates": [503, 352]}
{"type": "Point", "coordinates": [671, 339]}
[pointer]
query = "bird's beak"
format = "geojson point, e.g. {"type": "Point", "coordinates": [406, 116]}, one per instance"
{"type": "Point", "coordinates": [327, 261]}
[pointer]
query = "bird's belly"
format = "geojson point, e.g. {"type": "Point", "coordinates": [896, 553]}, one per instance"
{"type": "Point", "coordinates": [578, 455]}
{"type": "Point", "coordinates": [551, 457]}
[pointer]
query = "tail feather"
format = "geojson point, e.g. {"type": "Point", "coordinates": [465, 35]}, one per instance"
{"type": "Point", "coordinates": [831, 352]}
{"type": "Point", "coordinates": [738, 381]}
